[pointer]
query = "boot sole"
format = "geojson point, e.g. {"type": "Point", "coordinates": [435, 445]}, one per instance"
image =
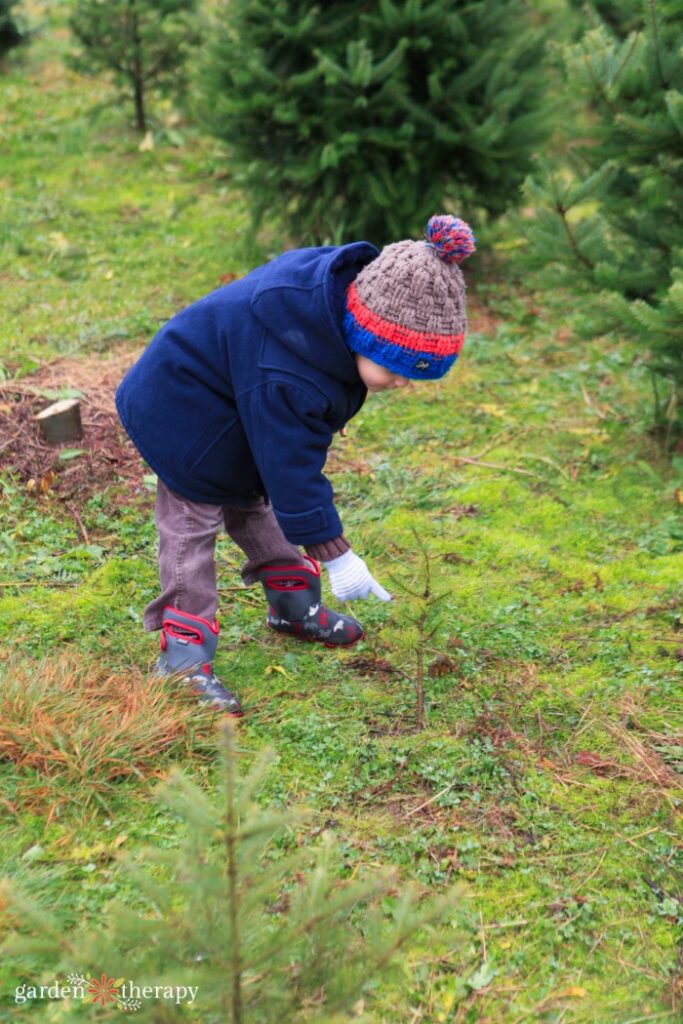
{"type": "Point", "coordinates": [312, 640]}
{"type": "Point", "coordinates": [220, 710]}
{"type": "Point", "coordinates": [215, 707]}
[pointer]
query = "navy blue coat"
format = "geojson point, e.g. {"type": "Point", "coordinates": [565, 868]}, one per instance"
{"type": "Point", "coordinates": [239, 394]}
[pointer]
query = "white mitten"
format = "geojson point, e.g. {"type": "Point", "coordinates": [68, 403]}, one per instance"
{"type": "Point", "coordinates": [351, 578]}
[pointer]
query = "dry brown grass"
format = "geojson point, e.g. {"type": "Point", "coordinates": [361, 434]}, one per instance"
{"type": "Point", "coordinates": [83, 728]}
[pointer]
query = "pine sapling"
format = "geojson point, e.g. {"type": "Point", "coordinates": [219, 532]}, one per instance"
{"type": "Point", "coordinates": [264, 934]}
{"type": "Point", "coordinates": [422, 619]}
{"type": "Point", "coordinates": [142, 43]}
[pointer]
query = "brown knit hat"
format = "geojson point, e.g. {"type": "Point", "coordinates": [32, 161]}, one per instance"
{"type": "Point", "coordinates": [406, 310]}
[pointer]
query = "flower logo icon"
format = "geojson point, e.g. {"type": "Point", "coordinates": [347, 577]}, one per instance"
{"type": "Point", "coordinates": [104, 990]}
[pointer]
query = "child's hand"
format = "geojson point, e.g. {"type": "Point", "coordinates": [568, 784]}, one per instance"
{"type": "Point", "coordinates": [350, 578]}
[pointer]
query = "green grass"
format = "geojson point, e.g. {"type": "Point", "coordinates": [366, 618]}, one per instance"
{"type": "Point", "coordinates": [563, 617]}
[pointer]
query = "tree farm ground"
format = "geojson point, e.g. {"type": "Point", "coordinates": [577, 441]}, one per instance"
{"type": "Point", "coordinates": [548, 777]}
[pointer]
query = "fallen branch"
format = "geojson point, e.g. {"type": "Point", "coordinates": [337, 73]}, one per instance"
{"type": "Point", "coordinates": [40, 583]}
{"type": "Point", "coordinates": [431, 799]}
{"type": "Point", "coordinates": [549, 462]}
{"type": "Point", "coordinates": [495, 440]}
{"type": "Point", "coordinates": [593, 406]}
{"type": "Point", "coordinates": [12, 439]}
{"type": "Point", "coordinates": [79, 522]}
{"type": "Point", "coordinates": [493, 465]}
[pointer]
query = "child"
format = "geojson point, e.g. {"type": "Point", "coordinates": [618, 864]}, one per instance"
{"type": "Point", "coordinates": [233, 405]}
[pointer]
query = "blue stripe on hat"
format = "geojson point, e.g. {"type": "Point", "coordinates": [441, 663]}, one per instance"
{"type": "Point", "coordinates": [403, 361]}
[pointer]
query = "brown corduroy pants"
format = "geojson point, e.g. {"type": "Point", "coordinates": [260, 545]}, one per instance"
{"type": "Point", "coordinates": [187, 541]}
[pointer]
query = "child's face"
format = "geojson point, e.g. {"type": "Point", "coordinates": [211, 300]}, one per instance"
{"type": "Point", "coordinates": [376, 377]}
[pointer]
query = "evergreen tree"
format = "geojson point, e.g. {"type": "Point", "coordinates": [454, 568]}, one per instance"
{"type": "Point", "coordinates": [349, 120]}
{"type": "Point", "coordinates": [613, 228]}
{"type": "Point", "coordinates": [418, 617]}
{"type": "Point", "coordinates": [264, 936]}
{"type": "Point", "coordinates": [10, 35]}
{"type": "Point", "coordinates": [144, 43]}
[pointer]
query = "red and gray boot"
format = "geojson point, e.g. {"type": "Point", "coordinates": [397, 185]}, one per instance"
{"type": "Point", "coordinates": [294, 606]}
{"type": "Point", "coordinates": [188, 646]}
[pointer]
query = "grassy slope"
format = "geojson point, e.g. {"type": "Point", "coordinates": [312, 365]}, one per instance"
{"type": "Point", "coordinates": [560, 585]}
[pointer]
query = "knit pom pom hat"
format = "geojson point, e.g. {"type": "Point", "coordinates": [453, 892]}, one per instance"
{"type": "Point", "coordinates": [406, 310]}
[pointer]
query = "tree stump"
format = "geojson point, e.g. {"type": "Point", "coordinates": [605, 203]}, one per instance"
{"type": "Point", "coordinates": [61, 421]}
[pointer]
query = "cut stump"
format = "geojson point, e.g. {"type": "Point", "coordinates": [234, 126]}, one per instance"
{"type": "Point", "coordinates": [61, 421]}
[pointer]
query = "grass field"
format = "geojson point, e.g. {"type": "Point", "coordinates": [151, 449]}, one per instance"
{"type": "Point", "coordinates": [547, 778]}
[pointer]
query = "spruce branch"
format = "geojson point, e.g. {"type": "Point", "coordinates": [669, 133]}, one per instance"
{"type": "Point", "coordinates": [628, 49]}
{"type": "Point", "coordinates": [562, 211]}
{"type": "Point", "coordinates": [598, 86]}
{"type": "Point", "coordinates": [652, 15]}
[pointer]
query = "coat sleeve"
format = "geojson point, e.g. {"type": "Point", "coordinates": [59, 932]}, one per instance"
{"type": "Point", "coordinates": [289, 439]}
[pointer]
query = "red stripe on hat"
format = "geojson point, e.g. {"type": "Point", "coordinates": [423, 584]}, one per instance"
{"type": "Point", "coordinates": [417, 341]}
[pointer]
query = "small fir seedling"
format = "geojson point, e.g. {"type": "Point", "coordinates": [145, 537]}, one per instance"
{"type": "Point", "coordinates": [264, 936]}
{"type": "Point", "coordinates": [421, 617]}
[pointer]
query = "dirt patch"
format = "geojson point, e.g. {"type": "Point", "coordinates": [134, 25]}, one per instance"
{"type": "Point", "coordinates": [371, 666]}
{"type": "Point", "coordinates": [105, 455]}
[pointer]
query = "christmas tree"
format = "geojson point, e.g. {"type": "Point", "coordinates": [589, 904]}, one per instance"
{"type": "Point", "coordinates": [422, 613]}
{"type": "Point", "coordinates": [143, 43]}
{"type": "Point", "coordinates": [352, 120]}
{"type": "Point", "coordinates": [613, 228]}
{"type": "Point", "coordinates": [264, 929]}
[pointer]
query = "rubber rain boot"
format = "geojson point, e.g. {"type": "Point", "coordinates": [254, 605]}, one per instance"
{"type": "Point", "coordinates": [294, 606]}
{"type": "Point", "coordinates": [188, 646]}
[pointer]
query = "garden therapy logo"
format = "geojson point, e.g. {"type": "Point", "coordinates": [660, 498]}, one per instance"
{"type": "Point", "coordinates": [104, 991]}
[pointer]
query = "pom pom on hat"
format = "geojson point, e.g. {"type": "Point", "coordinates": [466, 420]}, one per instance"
{"type": "Point", "coordinates": [406, 310]}
{"type": "Point", "coordinates": [451, 237]}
